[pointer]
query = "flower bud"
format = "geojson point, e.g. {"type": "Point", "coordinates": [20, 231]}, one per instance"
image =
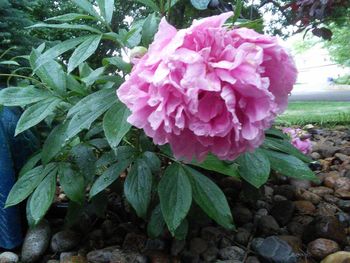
{"type": "Point", "coordinates": [136, 53]}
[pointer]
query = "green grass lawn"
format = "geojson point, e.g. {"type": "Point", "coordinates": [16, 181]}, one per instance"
{"type": "Point", "coordinates": [316, 112]}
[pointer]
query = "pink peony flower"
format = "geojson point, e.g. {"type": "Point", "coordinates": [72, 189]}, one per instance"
{"type": "Point", "coordinates": [299, 139]}
{"type": "Point", "coordinates": [208, 88]}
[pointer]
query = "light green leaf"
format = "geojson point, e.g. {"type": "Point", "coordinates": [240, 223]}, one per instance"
{"type": "Point", "coordinates": [83, 51]}
{"type": "Point", "coordinates": [210, 198]}
{"type": "Point", "coordinates": [254, 167]}
{"type": "Point", "coordinates": [119, 63]}
{"type": "Point", "coordinates": [109, 176]}
{"type": "Point", "coordinates": [200, 4]}
{"type": "Point", "coordinates": [54, 142]}
{"type": "Point", "coordinates": [86, 111]}
{"type": "Point", "coordinates": [30, 164]}
{"type": "Point", "coordinates": [107, 8]}
{"type": "Point", "coordinates": [87, 6]}
{"type": "Point", "coordinates": [36, 113]}
{"type": "Point", "coordinates": [84, 156]}
{"type": "Point", "coordinates": [21, 96]}
{"type": "Point", "coordinates": [93, 76]}
{"type": "Point", "coordinates": [70, 17]}
{"type": "Point", "coordinates": [26, 184]}
{"type": "Point", "coordinates": [43, 196]}
{"type": "Point", "coordinates": [289, 165]}
{"type": "Point", "coordinates": [175, 196]}
{"type": "Point", "coordinates": [58, 50]}
{"type": "Point", "coordinates": [138, 187]}
{"type": "Point", "coordinates": [115, 123]}
{"type": "Point", "coordinates": [67, 26]}
{"type": "Point", "coordinates": [72, 182]}
{"type": "Point", "coordinates": [149, 28]}
{"type": "Point", "coordinates": [151, 4]}
{"type": "Point", "coordinates": [155, 226]}
{"type": "Point", "coordinates": [212, 163]}
{"type": "Point", "coordinates": [9, 62]}
{"type": "Point", "coordinates": [152, 161]}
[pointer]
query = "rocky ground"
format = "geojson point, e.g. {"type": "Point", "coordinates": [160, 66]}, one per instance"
{"type": "Point", "coordinates": [287, 221]}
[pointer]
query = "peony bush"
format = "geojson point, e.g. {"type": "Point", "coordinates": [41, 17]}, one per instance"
{"type": "Point", "coordinates": [206, 95]}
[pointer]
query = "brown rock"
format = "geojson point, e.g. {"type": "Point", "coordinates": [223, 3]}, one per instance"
{"type": "Point", "coordinates": [304, 207]}
{"type": "Point", "coordinates": [342, 157]}
{"type": "Point", "coordinates": [338, 257]}
{"type": "Point", "coordinates": [342, 183]}
{"type": "Point", "coordinates": [331, 199]}
{"type": "Point", "coordinates": [342, 193]}
{"type": "Point", "coordinates": [326, 209]}
{"type": "Point", "coordinates": [321, 247]}
{"type": "Point", "coordinates": [321, 190]}
{"type": "Point", "coordinates": [330, 179]}
{"type": "Point", "coordinates": [308, 196]}
{"type": "Point", "coordinates": [293, 241]}
{"type": "Point", "coordinates": [134, 242]}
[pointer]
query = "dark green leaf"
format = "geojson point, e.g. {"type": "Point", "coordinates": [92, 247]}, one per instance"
{"type": "Point", "coordinates": [72, 182]}
{"type": "Point", "coordinates": [93, 76]}
{"type": "Point", "coordinates": [125, 152]}
{"type": "Point", "coordinates": [27, 183]}
{"type": "Point", "coordinates": [150, 3]}
{"type": "Point", "coordinates": [67, 26]}
{"type": "Point", "coordinates": [284, 146]}
{"type": "Point", "coordinates": [83, 51]}
{"type": "Point", "coordinates": [109, 176]}
{"type": "Point", "coordinates": [36, 113]}
{"type": "Point", "coordinates": [212, 163]}
{"type": "Point", "coordinates": [30, 219]}
{"type": "Point", "coordinates": [289, 165]}
{"type": "Point", "coordinates": [30, 164]}
{"type": "Point", "coordinates": [70, 17]}
{"type": "Point", "coordinates": [86, 111]}
{"type": "Point", "coordinates": [149, 28]}
{"type": "Point", "coordinates": [210, 198]}
{"type": "Point", "coordinates": [43, 196]}
{"type": "Point", "coordinates": [152, 161]}
{"type": "Point", "coordinates": [119, 63]}
{"type": "Point", "coordinates": [156, 224]}
{"type": "Point", "coordinates": [115, 123]}
{"type": "Point", "coordinates": [182, 230]}
{"type": "Point", "coordinates": [200, 4]}
{"type": "Point", "coordinates": [107, 8]}
{"type": "Point", "coordinates": [254, 167]}
{"type": "Point", "coordinates": [172, 3]}
{"type": "Point", "coordinates": [21, 96]}
{"type": "Point", "coordinates": [175, 195]}
{"type": "Point", "coordinates": [138, 187]}
{"type": "Point", "coordinates": [87, 6]}
{"type": "Point", "coordinates": [54, 142]}
{"type": "Point", "coordinates": [273, 132]}
{"type": "Point", "coordinates": [85, 158]}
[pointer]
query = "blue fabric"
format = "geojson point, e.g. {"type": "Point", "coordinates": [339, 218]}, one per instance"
{"type": "Point", "coordinates": [13, 153]}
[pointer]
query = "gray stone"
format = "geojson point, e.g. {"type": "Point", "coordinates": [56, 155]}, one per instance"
{"type": "Point", "coordinates": [177, 246]}
{"type": "Point", "coordinates": [67, 256]}
{"type": "Point", "coordinates": [267, 225]}
{"type": "Point", "coordinates": [64, 241]}
{"type": "Point", "coordinates": [233, 252]}
{"type": "Point", "coordinates": [242, 236]}
{"type": "Point", "coordinates": [283, 211]}
{"type": "Point", "coordinates": [101, 255]}
{"type": "Point", "coordinates": [198, 245]}
{"type": "Point", "coordinates": [210, 254]}
{"type": "Point", "coordinates": [36, 242]}
{"type": "Point", "coordinates": [122, 256]}
{"type": "Point", "coordinates": [274, 250]}
{"type": "Point", "coordinates": [8, 257]}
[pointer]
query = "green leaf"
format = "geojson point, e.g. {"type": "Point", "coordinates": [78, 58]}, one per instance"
{"type": "Point", "coordinates": [152, 161]}
{"type": "Point", "coordinates": [156, 224]}
{"type": "Point", "coordinates": [26, 184]}
{"type": "Point", "coordinates": [43, 196]}
{"type": "Point", "coordinates": [200, 4]}
{"type": "Point", "coordinates": [85, 158]}
{"type": "Point", "coordinates": [36, 113]}
{"type": "Point", "coordinates": [119, 63]}
{"type": "Point", "coordinates": [83, 51]}
{"type": "Point", "coordinates": [210, 198]}
{"type": "Point", "coordinates": [87, 6]}
{"type": "Point", "coordinates": [273, 132]}
{"type": "Point", "coordinates": [58, 50]}
{"type": "Point", "coordinates": [93, 76]}
{"type": "Point", "coordinates": [212, 163]}
{"type": "Point", "coordinates": [70, 17]}
{"type": "Point", "coordinates": [72, 182]}
{"type": "Point", "coordinates": [254, 167]}
{"type": "Point", "coordinates": [67, 26]}
{"type": "Point", "coordinates": [21, 96]}
{"type": "Point", "coordinates": [86, 111]}
{"type": "Point", "coordinates": [289, 165]}
{"type": "Point", "coordinates": [9, 62]}
{"type": "Point", "coordinates": [284, 146]}
{"type": "Point", "coordinates": [30, 219]}
{"type": "Point", "coordinates": [172, 3]}
{"type": "Point", "coordinates": [107, 8]}
{"type": "Point", "coordinates": [30, 164]}
{"type": "Point", "coordinates": [175, 196]}
{"type": "Point", "coordinates": [138, 187]}
{"type": "Point", "coordinates": [115, 124]}
{"type": "Point", "coordinates": [150, 4]}
{"type": "Point", "coordinates": [149, 28]}
{"type": "Point", "coordinates": [181, 232]}
{"type": "Point", "coordinates": [109, 176]}
{"type": "Point", "coordinates": [51, 73]}
{"type": "Point", "coordinates": [125, 153]}
{"type": "Point", "coordinates": [54, 142]}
